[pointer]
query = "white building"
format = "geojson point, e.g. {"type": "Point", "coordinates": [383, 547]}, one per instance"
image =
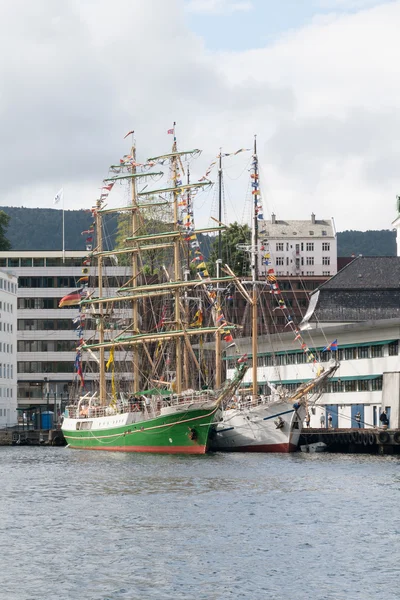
{"type": "Point", "coordinates": [301, 248]}
{"type": "Point", "coordinates": [368, 378]}
{"type": "Point", "coordinates": [8, 349]}
{"type": "Point", "coordinates": [46, 336]}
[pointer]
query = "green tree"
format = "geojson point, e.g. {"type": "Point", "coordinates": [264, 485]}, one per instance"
{"type": "Point", "coordinates": [4, 221]}
{"type": "Point", "coordinates": [150, 222]}
{"type": "Point", "coordinates": [238, 260]}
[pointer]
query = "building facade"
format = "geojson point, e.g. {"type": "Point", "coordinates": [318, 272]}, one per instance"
{"type": "Point", "coordinates": [47, 336]}
{"type": "Point", "coordinates": [300, 248]}
{"type": "Point", "coordinates": [368, 378]}
{"type": "Point", "coordinates": [8, 349]}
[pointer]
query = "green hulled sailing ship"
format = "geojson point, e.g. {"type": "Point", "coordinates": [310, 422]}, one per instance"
{"type": "Point", "coordinates": [147, 390]}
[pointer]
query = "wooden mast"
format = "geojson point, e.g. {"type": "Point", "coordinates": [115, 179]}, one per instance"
{"type": "Point", "coordinates": [186, 377]}
{"type": "Point", "coordinates": [177, 271]}
{"type": "Point", "coordinates": [254, 273]}
{"type": "Point", "coordinates": [102, 367]}
{"type": "Point", "coordinates": [218, 362]}
{"type": "Point", "coordinates": [135, 271]}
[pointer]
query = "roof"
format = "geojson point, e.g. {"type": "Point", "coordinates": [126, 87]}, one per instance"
{"type": "Point", "coordinates": [301, 229]}
{"type": "Point", "coordinates": [367, 273]}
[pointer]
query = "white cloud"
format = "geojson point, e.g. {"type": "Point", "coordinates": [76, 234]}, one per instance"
{"type": "Point", "coordinates": [323, 101]}
{"type": "Point", "coordinates": [349, 4]}
{"type": "Point", "coordinates": [218, 6]}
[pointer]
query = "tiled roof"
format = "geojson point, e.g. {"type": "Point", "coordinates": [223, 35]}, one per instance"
{"type": "Point", "coordinates": [300, 229]}
{"type": "Point", "coordinates": [367, 273]}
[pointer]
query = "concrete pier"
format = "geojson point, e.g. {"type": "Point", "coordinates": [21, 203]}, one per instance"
{"type": "Point", "coordinates": [366, 441]}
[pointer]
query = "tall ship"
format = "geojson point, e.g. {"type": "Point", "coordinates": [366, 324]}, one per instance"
{"type": "Point", "coordinates": [149, 392]}
{"type": "Point", "coordinates": [252, 422]}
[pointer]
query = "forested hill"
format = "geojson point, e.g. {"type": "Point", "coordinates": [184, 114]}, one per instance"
{"type": "Point", "coordinates": [41, 229]}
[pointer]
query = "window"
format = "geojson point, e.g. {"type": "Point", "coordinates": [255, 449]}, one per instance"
{"type": "Point", "coordinates": [324, 232]}
{"type": "Point", "coordinates": [350, 386]}
{"type": "Point", "coordinates": [376, 351]}
{"type": "Point", "coordinates": [376, 384]}
{"type": "Point", "coordinates": [310, 247]}
{"type": "Point", "coordinates": [337, 386]}
{"type": "Point", "coordinates": [309, 260]}
{"type": "Point", "coordinates": [26, 262]}
{"type": "Point", "coordinates": [326, 273]}
{"type": "Point", "coordinates": [280, 260]}
{"type": "Point", "coordinates": [363, 385]}
{"type": "Point", "coordinates": [311, 233]}
{"type": "Point", "coordinates": [326, 260]}
{"type": "Point", "coordinates": [394, 348]}
{"type": "Point", "coordinates": [279, 247]}
{"type": "Point", "coordinates": [13, 262]}
{"type": "Point", "coordinates": [350, 353]}
{"type": "Point", "coordinates": [326, 246]}
{"type": "Point", "coordinates": [363, 351]}
{"type": "Point", "coordinates": [310, 273]}
{"type": "Point", "coordinates": [38, 262]}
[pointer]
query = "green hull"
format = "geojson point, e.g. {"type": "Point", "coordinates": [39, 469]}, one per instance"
{"type": "Point", "coordinates": [182, 433]}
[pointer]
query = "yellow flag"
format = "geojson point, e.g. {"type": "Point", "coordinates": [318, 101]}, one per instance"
{"type": "Point", "coordinates": [111, 359]}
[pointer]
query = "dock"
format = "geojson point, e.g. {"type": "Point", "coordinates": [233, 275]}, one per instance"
{"type": "Point", "coordinates": [357, 441]}
{"type": "Point", "coordinates": [19, 436]}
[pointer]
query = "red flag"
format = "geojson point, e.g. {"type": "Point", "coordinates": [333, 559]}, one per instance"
{"type": "Point", "coordinates": [243, 358]}
{"type": "Point", "coordinates": [171, 131]}
{"type": "Point", "coordinates": [129, 133]}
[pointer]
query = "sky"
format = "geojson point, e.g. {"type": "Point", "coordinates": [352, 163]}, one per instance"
{"type": "Point", "coordinates": [316, 80]}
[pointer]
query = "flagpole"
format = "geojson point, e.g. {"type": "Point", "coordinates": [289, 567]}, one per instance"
{"type": "Point", "coordinates": [63, 231]}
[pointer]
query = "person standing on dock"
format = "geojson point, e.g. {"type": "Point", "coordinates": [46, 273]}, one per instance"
{"type": "Point", "coordinates": [358, 419]}
{"type": "Point", "coordinates": [308, 419]}
{"type": "Point", "coordinates": [329, 420]}
{"type": "Point", "coordinates": [322, 420]}
{"type": "Point", "coordinates": [384, 419]}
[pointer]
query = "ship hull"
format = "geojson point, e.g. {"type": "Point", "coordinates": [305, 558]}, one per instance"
{"type": "Point", "coordinates": [254, 429]}
{"type": "Point", "coordinates": [186, 432]}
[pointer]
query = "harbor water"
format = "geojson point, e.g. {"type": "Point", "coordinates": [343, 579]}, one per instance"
{"type": "Point", "coordinates": [108, 526]}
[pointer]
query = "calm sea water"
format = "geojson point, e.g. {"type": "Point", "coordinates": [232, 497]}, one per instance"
{"type": "Point", "coordinates": [93, 526]}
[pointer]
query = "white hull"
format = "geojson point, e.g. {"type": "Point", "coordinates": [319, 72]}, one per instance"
{"type": "Point", "coordinates": [254, 428]}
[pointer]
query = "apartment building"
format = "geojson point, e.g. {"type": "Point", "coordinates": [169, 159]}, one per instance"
{"type": "Point", "coordinates": [301, 248]}
{"type": "Point", "coordinates": [46, 337]}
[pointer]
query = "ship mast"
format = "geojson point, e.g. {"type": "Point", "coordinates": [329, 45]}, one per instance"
{"type": "Point", "coordinates": [254, 270]}
{"type": "Point", "coordinates": [102, 378]}
{"type": "Point", "coordinates": [177, 268]}
{"type": "Point", "coordinates": [218, 362]}
{"type": "Point", "coordinates": [135, 272]}
{"type": "Point", "coordinates": [186, 302]}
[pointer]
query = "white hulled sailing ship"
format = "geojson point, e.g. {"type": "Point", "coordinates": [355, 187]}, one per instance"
{"type": "Point", "coordinates": [255, 423]}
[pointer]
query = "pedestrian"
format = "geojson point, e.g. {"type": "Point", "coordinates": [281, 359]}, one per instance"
{"type": "Point", "coordinates": [384, 419]}
{"type": "Point", "coordinates": [329, 420]}
{"type": "Point", "coordinates": [358, 419]}
{"type": "Point", "coordinates": [322, 420]}
{"type": "Point", "coordinates": [308, 419]}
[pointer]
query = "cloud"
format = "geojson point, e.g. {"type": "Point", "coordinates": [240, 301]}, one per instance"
{"type": "Point", "coordinates": [349, 4]}
{"type": "Point", "coordinates": [322, 99]}
{"type": "Point", "coordinates": [218, 6]}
